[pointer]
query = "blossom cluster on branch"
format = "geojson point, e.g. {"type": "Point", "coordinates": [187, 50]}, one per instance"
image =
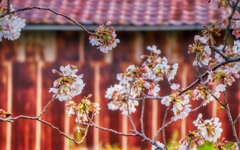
{"type": "Point", "coordinates": [106, 39]}
{"type": "Point", "coordinates": [10, 25]}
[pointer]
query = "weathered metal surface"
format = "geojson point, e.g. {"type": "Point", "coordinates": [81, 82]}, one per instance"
{"type": "Point", "coordinates": [26, 64]}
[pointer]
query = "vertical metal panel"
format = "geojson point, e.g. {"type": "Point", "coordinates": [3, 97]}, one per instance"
{"type": "Point", "coordinates": [5, 101]}
{"type": "Point", "coordinates": [24, 103]}
{"type": "Point", "coordinates": [55, 113]}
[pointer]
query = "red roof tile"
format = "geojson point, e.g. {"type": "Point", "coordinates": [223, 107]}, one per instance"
{"type": "Point", "coordinates": [123, 12]}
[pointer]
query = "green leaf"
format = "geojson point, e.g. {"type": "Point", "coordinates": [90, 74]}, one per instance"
{"type": "Point", "coordinates": [220, 108]}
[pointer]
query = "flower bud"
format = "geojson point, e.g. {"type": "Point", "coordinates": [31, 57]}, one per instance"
{"type": "Point", "coordinates": [54, 71]}
{"type": "Point", "coordinates": [200, 142]}
{"type": "Point", "coordinates": [108, 23]}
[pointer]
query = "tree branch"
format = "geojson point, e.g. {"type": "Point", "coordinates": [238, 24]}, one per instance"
{"type": "Point", "coordinates": [230, 117]}
{"type": "Point", "coordinates": [236, 120]}
{"type": "Point", "coordinates": [141, 118]}
{"type": "Point", "coordinates": [163, 130]}
{"type": "Point", "coordinates": [208, 89]}
{"type": "Point", "coordinates": [44, 8]}
{"type": "Point", "coordinates": [189, 142]}
{"type": "Point", "coordinates": [229, 23]}
{"type": "Point", "coordinates": [217, 51]}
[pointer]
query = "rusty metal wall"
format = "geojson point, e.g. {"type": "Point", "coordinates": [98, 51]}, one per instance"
{"type": "Point", "coordinates": [26, 76]}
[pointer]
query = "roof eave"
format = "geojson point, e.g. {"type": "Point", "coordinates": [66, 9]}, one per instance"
{"type": "Point", "coordinates": [118, 28]}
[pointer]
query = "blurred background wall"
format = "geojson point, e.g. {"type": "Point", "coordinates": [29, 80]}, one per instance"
{"type": "Point", "coordinates": [50, 41]}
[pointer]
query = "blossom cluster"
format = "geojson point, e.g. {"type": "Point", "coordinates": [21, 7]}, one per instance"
{"type": "Point", "coordinates": [209, 130]}
{"type": "Point", "coordinates": [224, 145]}
{"type": "Point", "coordinates": [4, 114]}
{"type": "Point", "coordinates": [83, 109]}
{"type": "Point", "coordinates": [180, 103]}
{"type": "Point", "coordinates": [119, 99]}
{"type": "Point", "coordinates": [200, 93]}
{"type": "Point", "coordinates": [142, 78]}
{"type": "Point", "coordinates": [10, 25]}
{"type": "Point", "coordinates": [106, 39]}
{"type": "Point", "coordinates": [68, 85]}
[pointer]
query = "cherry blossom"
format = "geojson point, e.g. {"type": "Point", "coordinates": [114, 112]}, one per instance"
{"type": "Point", "coordinates": [203, 51]}
{"type": "Point", "coordinates": [4, 114]}
{"type": "Point", "coordinates": [154, 49]}
{"type": "Point", "coordinates": [166, 100]}
{"type": "Point", "coordinates": [106, 39]}
{"type": "Point", "coordinates": [11, 25]}
{"type": "Point", "coordinates": [68, 85]}
{"type": "Point", "coordinates": [209, 129]}
{"type": "Point", "coordinates": [174, 86]}
{"type": "Point", "coordinates": [236, 29]}
{"type": "Point", "coordinates": [82, 109]}
{"type": "Point", "coordinates": [184, 143]}
{"type": "Point", "coordinates": [221, 88]}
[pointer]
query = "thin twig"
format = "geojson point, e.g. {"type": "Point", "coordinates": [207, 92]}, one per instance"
{"type": "Point", "coordinates": [129, 116]}
{"type": "Point", "coordinates": [147, 139]}
{"type": "Point", "coordinates": [190, 141]}
{"type": "Point", "coordinates": [230, 117]}
{"type": "Point", "coordinates": [219, 52]}
{"type": "Point", "coordinates": [142, 113]}
{"type": "Point", "coordinates": [230, 60]}
{"type": "Point", "coordinates": [55, 96]}
{"type": "Point", "coordinates": [202, 63]}
{"type": "Point", "coordinates": [236, 120]}
{"type": "Point", "coordinates": [34, 118]}
{"type": "Point", "coordinates": [160, 129]}
{"type": "Point", "coordinates": [44, 8]}
{"type": "Point", "coordinates": [109, 130]}
{"type": "Point", "coordinates": [207, 88]}
{"type": "Point", "coordinates": [148, 97]}
{"type": "Point", "coordinates": [198, 107]}
{"type": "Point", "coordinates": [86, 130]}
{"type": "Point", "coordinates": [163, 130]}
{"type": "Point", "coordinates": [235, 18]}
{"type": "Point", "coordinates": [228, 26]}
{"type": "Point", "coordinates": [8, 5]}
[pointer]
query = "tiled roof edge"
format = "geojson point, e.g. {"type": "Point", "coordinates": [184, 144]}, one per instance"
{"type": "Point", "coordinates": [118, 28]}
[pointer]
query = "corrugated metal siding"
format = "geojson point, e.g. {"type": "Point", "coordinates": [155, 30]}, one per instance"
{"type": "Point", "coordinates": [26, 76]}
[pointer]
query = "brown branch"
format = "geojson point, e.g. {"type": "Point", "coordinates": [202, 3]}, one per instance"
{"type": "Point", "coordinates": [142, 113]}
{"type": "Point", "coordinates": [189, 142]}
{"type": "Point", "coordinates": [230, 117]}
{"type": "Point", "coordinates": [109, 130]}
{"type": "Point", "coordinates": [160, 129]}
{"type": "Point", "coordinates": [149, 97]}
{"type": "Point", "coordinates": [163, 130]}
{"type": "Point", "coordinates": [230, 60]}
{"type": "Point", "coordinates": [37, 117]}
{"type": "Point", "coordinates": [44, 8]}
{"type": "Point", "coordinates": [235, 121]}
{"type": "Point", "coordinates": [229, 23]}
{"type": "Point", "coordinates": [208, 89]}
{"type": "Point", "coordinates": [129, 116]}
{"type": "Point", "coordinates": [147, 139]}
{"type": "Point", "coordinates": [217, 51]}
{"type": "Point", "coordinates": [8, 5]}
{"type": "Point", "coordinates": [198, 107]}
